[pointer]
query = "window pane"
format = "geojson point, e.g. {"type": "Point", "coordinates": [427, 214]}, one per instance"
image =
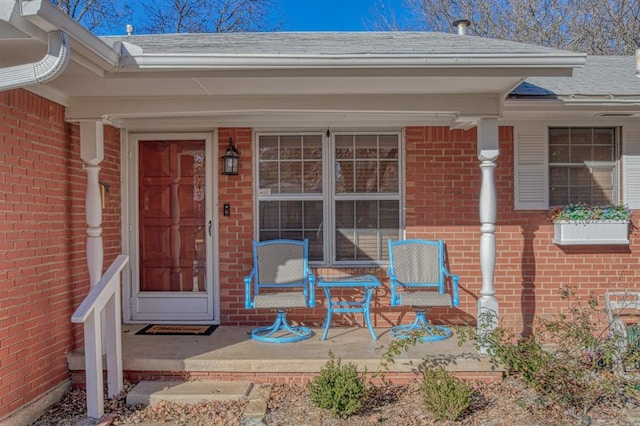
{"type": "Point", "coordinates": [368, 245]}
{"type": "Point", "coordinates": [290, 147]}
{"type": "Point", "coordinates": [269, 177]}
{"type": "Point", "coordinates": [293, 220]}
{"type": "Point", "coordinates": [603, 136]}
{"type": "Point", "coordinates": [268, 147]}
{"type": "Point", "coordinates": [558, 136]}
{"type": "Point", "coordinates": [559, 175]}
{"type": "Point", "coordinates": [388, 147]}
{"type": "Point", "coordinates": [559, 196]}
{"type": "Point", "coordinates": [580, 176]}
{"type": "Point", "coordinates": [602, 197]}
{"type": "Point", "coordinates": [580, 154]}
{"type": "Point", "coordinates": [291, 214]}
{"type": "Point", "coordinates": [388, 176]}
{"type": "Point", "coordinates": [315, 245]}
{"type": "Point", "coordinates": [344, 146]}
{"type": "Point", "coordinates": [344, 177]}
{"type": "Point", "coordinates": [366, 146]}
{"type": "Point", "coordinates": [345, 245]}
{"type": "Point", "coordinates": [603, 177]}
{"type": "Point", "coordinates": [290, 177]}
{"type": "Point", "coordinates": [558, 153]}
{"type": "Point", "coordinates": [366, 176]}
{"type": "Point", "coordinates": [345, 214]}
{"type": "Point", "coordinates": [367, 214]}
{"type": "Point", "coordinates": [292, 166]}
{"type": "Point", "coordinates": [362, 234]}
{"type": "Point", "coordinates": [580, 195]}
{"type": "Point", "coordinates": [603, 153]}
{"type": "Point", "coordinates": [390, 215]}
{"type": "Point", "coordinates": [269, 235]}
{"type": "Point", "coordinates": [312, 147]}
{"type": "Point", "coordinates": [591, 177]}
{"type": "Point", "coordinates": [313, 215]}
{"type": "Point", "coordinates": [269, 215]}
{"type": "Point", "coordinates": [581, 136]}
{"type": "Point", "coordinates": [312, 177]}
{"type": "Point", "coordinates": [291, 235]}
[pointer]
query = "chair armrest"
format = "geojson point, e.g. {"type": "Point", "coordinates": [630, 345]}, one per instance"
{"type": "Point", "coordinates": [454, 287]}
{"type": "Point", "coordinates": [312, 290]}
{"type": "Point", "coordinates": [393, 282]}
{"type": "Point", "coordinates": [456, 293]}
{"type": "Point", "coordinates": [248, 303]}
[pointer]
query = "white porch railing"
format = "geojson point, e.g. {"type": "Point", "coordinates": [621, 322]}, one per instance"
{"type": "Point", "coordinates": [103, 297]}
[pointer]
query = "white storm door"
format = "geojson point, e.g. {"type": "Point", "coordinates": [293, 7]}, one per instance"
{"type": "Point", "coordinates": [172, 270]}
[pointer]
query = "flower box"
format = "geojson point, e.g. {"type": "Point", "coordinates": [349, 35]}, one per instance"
{"type": "Point", "coordinates": [568, 232]}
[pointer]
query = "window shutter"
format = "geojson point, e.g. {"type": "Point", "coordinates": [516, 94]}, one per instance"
{"type": "Point", "coordinates": [531, 172]}
{"type": "Point", "coordinates": [631, 166]}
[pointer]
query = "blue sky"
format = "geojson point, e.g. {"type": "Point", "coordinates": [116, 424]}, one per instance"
{"type": "Point", "coordinates": [308, 15]}
{"type": "Point", "coordinates": [328, 15]}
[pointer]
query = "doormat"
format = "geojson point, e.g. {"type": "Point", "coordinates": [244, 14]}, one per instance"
{"type": "Point", "coordinates": [177, 330]}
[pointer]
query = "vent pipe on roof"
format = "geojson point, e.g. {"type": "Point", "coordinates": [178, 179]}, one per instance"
{"type": "Point", "coordinates": [462, 25]}
{"type": "Point", "coordinates": [47, 68]}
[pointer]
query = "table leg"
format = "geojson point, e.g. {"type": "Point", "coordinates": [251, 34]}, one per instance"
{"type": "Point", "coordinates": [366, 307]}
{"type": "Point", "coordinates": [327, 320]}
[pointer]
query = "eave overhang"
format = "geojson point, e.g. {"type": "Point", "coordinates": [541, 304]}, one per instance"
{"type": "Point", "coordinates": [121, 82]}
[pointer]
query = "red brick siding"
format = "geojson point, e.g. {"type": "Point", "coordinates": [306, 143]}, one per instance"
{"type": "Point", "coordinates": [236, 230]}
{"type": "Point", "coordinates": [43, 274]}
{"type": "Point", "coordinates": [443, 186]}
{"type": "Point", "coordinates": [442, 201]}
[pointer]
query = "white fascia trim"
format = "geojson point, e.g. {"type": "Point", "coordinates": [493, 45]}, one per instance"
{"type": "Point", "coordinates": [139, 59]}
{"type": "Point", "coordinates": [601, 101]}
{"type": "Point", "coordinates": [49, 18]}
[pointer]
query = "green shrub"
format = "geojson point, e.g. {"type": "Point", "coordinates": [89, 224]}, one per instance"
{"type": "Point", "coordinates": [445, 396]}
{"type": "Point", "coordinates": [338, 388]}
{"type": "Point", "coordinates": [568, 361]}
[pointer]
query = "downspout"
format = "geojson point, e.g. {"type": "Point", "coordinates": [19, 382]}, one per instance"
{"type": "Point", "coordinates": [46, 69]}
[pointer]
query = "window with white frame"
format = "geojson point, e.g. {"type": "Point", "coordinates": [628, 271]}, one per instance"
{"type": "Point", "coordinates": [341, 192]}
{"type": "Point", "coordinates": [583, 165]}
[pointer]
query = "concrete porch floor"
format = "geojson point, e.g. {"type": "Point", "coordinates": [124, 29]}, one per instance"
{"type": "Point", "coordinates": [230, 354]}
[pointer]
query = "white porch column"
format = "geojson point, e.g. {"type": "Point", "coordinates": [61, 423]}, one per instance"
{"type": "Point", "coordinates": [92, 154]}
{"type": "Point", "coordinates": [488, 151]}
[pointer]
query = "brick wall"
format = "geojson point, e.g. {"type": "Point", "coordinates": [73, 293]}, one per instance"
{"type": "Point", "coordinates": [43, 273]}
{"type": "Point", "coordinates": [236, 230]}
{"type": "Point", "coordinates": [442, 201]}
{"type": "Point", "coordinates": [443, 187]}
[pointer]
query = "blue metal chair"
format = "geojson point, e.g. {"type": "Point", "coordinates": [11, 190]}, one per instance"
{"type": "Point", "coordinates": [418, 276]}
{"type": "Point", "coordinates": [281, 280]}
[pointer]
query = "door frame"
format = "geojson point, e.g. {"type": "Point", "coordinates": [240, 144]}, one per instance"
{"type": "Point", "coordinates": [130, 219]}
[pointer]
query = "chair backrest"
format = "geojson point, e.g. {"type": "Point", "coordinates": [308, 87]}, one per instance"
{"type": "Point", "coordinates": [418, 263]}
{"type": "Point", "coordinates": [281, 263]}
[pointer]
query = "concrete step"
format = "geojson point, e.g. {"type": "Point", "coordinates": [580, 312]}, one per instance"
{"type": "Point", "coordinates": [151, 392]}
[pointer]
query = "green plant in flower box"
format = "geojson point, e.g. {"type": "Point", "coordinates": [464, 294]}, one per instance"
{"type": "Point", "coordinates": [581, 212]}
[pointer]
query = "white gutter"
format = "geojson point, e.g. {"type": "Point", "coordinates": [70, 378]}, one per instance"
{"type": "Point", "coordinates": [44, 15]}
{"type": "Point", "coordinates": [600, 100]}
{"type": "Point", "coordinates": [134, 57]}
{"type": "Point", "coordinates": [204, 61]}
{"type": "Point", "coordinates": [49, 67]}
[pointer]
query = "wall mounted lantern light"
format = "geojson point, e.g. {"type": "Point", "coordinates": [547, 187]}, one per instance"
{"type": "Point", "coordinates": [230, 160]}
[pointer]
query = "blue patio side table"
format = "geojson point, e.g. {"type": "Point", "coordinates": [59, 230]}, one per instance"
{"type": "Point", "coordinates": [368, 283]}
